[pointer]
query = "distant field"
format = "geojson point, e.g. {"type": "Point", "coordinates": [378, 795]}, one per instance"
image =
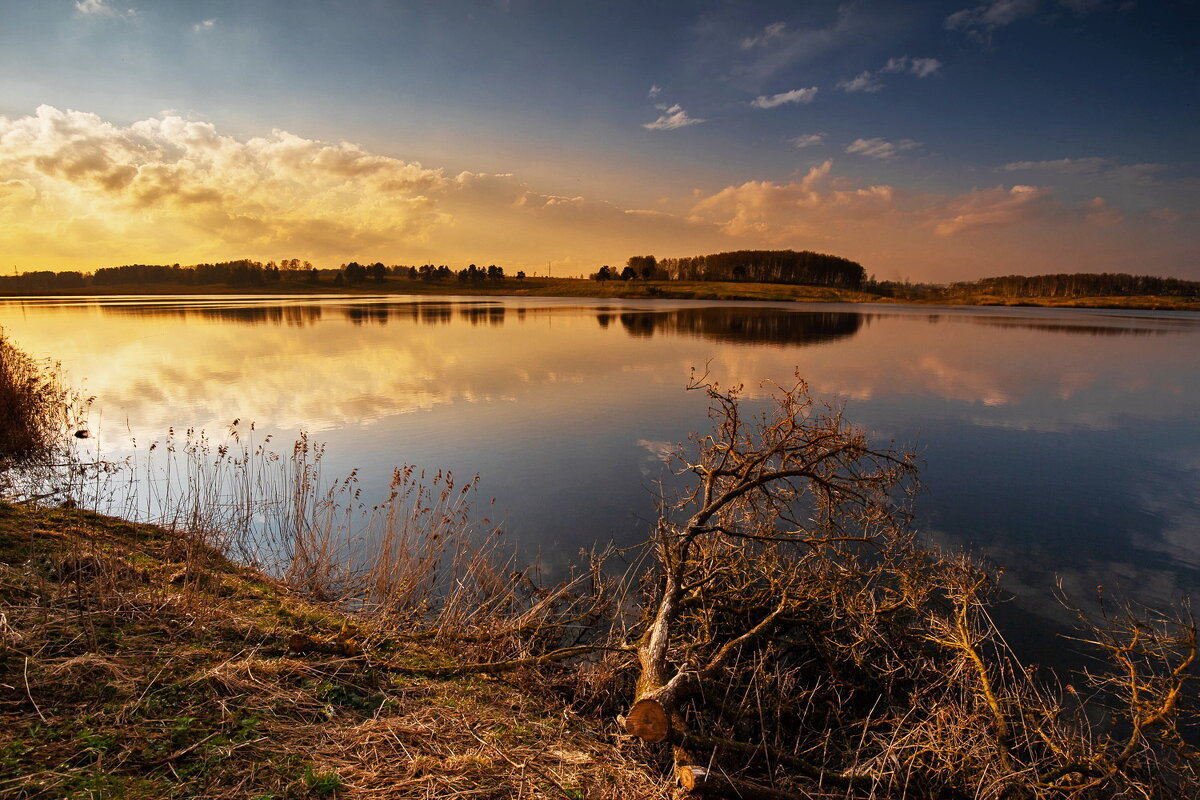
{"type": "Point", "coordinates": [678, 290]}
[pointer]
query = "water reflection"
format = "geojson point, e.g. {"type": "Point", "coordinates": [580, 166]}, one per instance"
{"type": "Point", "coordinates": [744, 325]}
{"type": "Point", "coordinates": [1126, 327]}
{"type": "Point", "coordinates": [295, 316]}
{"type": "Point", "coordinates": [1057, 443]}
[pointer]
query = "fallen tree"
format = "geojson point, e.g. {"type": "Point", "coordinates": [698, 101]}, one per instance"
{"type": "Point", "coordinates": [797, 636]}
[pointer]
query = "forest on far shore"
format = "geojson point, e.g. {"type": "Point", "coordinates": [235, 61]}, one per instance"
{"type": "Point", "coordinates": [788, 267]}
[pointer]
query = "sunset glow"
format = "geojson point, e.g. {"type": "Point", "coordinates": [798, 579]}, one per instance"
{"type": "Point", "coordinates": [929, 140]}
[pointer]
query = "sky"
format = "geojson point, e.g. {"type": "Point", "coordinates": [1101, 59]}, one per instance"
{"type": "Point", "coordinates": [930, 140]}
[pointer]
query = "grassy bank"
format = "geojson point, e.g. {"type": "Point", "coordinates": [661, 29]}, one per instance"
{"type": "Point", "coordinates": [673, 290]}
{"type": "Point", "coordinates": [138, 663]}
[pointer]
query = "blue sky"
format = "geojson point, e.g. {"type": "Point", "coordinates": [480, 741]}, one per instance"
{"type": "Point", "coordinates": [930, 140]}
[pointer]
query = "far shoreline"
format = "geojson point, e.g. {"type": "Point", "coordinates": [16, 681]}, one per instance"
{"type": "Point", "coordinates": [622, 290]}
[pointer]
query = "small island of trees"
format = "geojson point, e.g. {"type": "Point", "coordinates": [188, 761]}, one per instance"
{"type": "Point", "coordinates": [750, 266]}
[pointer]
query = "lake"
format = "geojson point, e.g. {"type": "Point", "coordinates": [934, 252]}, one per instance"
{"type": "Point", "coordinates": [1059, 444]}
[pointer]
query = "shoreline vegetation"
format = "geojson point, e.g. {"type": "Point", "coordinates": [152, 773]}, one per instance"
{"type": "Point", "coordinates": [785, 632]}
{"type": "Point", "coordinates": [779, 276]}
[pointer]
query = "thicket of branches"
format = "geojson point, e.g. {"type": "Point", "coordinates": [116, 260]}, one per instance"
{"type": "Point", "coordinates": [796, 635]}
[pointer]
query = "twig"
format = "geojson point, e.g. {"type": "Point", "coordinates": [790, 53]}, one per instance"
{"type": "Point", "coordinates": [29, 693]}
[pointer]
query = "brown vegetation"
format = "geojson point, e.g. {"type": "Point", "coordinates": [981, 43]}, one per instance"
{"type": "Point", "coordinates": [798, 637]}
{"type": "Point", "coordinates": [139, 664]}
{"type": "Point", "coordinates": [37, 415]}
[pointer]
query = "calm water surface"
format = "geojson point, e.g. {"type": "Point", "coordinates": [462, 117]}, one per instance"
{"type": "Point", "coordinates": [1061, 444]}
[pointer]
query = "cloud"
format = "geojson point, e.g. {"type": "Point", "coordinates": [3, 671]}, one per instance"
{"type": "Point", "coordinates": [862, 82]}
{"type": "Point", "coordinates": [992, 207]}
{"type": "Point", "coordinates": [804, 207]}
{"type": "Point", "coordinates": [1099, 212]}
{"type": "Point", "coordinates": [77, 191]}
{"type": "Point", "coordinates": [206, 25]}
{"type": "Point", "coordinates": [917, 67]}
{"type": "Point", "coordinates": [783, 98]}
{"type": "Point", "coordinates": [1091, 165]}
{"type": "Point", "coordinates": [183, 175]}
{"type": "Point", "coordinates": [101, 8]}
{"type": "Point", "coordinates": [808, 140]}
{"type": "Point", "coordinates": [867, 81]}
{"type": "Point", "coordinates": [990, 15]}
{"type": "Point", "coordinates": [880, 149]}
{"type": "Point", "coordinates": [778, 47]}
{"type": "Point", "coordinates": [673, 117]}
{"type": "Point", "coordinates": [771, 33]}
{"type": "Point", "coordinates": [899, 234]}
{"type": "Point", "coordinates": [654, 92]}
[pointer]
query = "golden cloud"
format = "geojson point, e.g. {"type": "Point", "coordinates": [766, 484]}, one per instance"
{"type": "Point", "coordinates": [77, 191]}
{"type": "Point", "coordinates": [808, 207]}
{"type": "Point", "coordinates": [206, 191]}
{"type": "Point", "coordinates": [992, 207]}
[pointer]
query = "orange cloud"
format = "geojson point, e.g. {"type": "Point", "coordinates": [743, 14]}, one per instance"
{"type": "Point", "coordinates": [209, 191]}
{"type": "Point", "coordinates": [806, 207]}
{"type": "Point", "coordinates": [77, 191]}
{"type": "Point", "coordinates": [992, 207]}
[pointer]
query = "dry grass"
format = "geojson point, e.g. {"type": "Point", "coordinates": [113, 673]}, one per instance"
{"type": "Point", "coordinates": [138, 665]}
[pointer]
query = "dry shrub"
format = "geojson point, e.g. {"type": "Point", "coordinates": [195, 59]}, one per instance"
{"type": "Point", "coordinates": [36, 412]}
{"type": "Point", "coordinates": [797, 634]}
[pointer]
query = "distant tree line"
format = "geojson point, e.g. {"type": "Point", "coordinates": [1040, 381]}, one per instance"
{"type": "Point", "coordinates": [1107, 284]}
{"type": "Point", "coordinates": [44, 281]}
{"type": "Point", "coordinates": [245, 273]}
{"type": "Point", "coordinates": [637, 267]}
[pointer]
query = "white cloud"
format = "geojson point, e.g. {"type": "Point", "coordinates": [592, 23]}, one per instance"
{"type": "Point", "coordinates": [101, 8]}
{"type": "Point", "coordinates": [924, 67]}
{"type": "Point", "coordinates": [654, 92]}
{"type": "Point", "coordinates": [990, 15]}
{"type": "Point", "coordinates": [870, 82]}
{"type": "Point", "coordinates": [770, 33]}
{"type": "Point", "coordinates": [206, 25]}
{"type": "Point", "coordinates": [673, 117]}
{"type": "Point", "coordinates": [783, 98]}
{"type": "Point", "coordinates": [917, 67]}
{"type": "Point", "coordinates": [880, 148]}
{"type": "Point", "coordinates": [808, 140]}
{"type": "Point", "coordinates": [867, 81]}
{"type": "Point", "coordinates": [777, 48]}
{"type": "Point", "coordinates": [862, 82]}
